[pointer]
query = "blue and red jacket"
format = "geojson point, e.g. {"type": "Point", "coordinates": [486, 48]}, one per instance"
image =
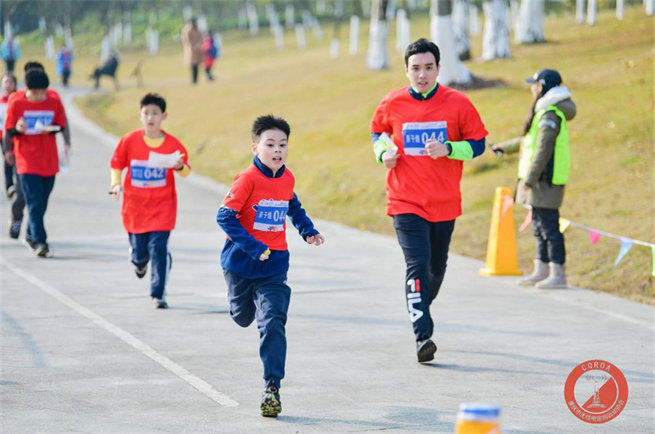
{"type": "Point", "coordinates": [253, 216]}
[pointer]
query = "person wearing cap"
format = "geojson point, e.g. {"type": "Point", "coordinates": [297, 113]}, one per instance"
{"type": "Point", "coordinates": [543, 173]}
{"type": "Point", "coordinates": [30, 122]}
{"type": "Point", "coordinates": [422, 134]}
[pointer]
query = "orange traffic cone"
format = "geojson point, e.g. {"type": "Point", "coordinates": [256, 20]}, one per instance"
{"type": "Point", "coordinates": [501, 248]}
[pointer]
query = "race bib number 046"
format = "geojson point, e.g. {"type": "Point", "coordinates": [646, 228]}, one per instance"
{"type": "Point", "coordinates": [144, 176]}
{"type": "Point", "coordinates": [415, 134]}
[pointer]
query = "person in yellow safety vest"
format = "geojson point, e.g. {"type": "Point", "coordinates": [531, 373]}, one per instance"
{"type": "Point", "coordinates": [543, 173]}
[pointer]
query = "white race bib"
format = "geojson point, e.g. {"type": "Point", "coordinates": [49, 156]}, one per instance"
{"type": "Point", "coordinates": [415, 134]}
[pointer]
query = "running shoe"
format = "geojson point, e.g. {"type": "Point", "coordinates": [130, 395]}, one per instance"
{"type": "Point", "coordinates": [42, 250]}
{"type": "Point", "coordinates": [271, 405]}
{"type": "Point", "coordinates": [140, 272]}
{"type": "Point", "coordinates": [11, 191]}
{"type": "Point", "coordinates": [425, 350]}
{"type": "Point", "coordinates": [14, 228]}
{"type": "Point", "coordinates": [159, 303]}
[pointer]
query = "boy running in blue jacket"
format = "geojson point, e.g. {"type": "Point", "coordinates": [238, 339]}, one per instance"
{"type": "Point", "coordinates": [255, 258]}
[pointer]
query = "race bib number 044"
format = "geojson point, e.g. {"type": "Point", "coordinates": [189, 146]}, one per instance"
{"type": "Point", "coordinates": [271, 215]}
{"type": "Point", "coordinates": [415, 134]}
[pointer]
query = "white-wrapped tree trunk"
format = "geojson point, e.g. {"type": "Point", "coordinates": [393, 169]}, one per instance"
{"type": "Point", "coordinates": [495, 38]}
{"type": "Point", "coordinates": [591, 12]}
{"type": "Point", "coordinates": [461, 29]}
{"type": "Point", "coordinates": [474, 19]}
{"type": "Point", "coordinates": [49, 48]}
{"type": "Point", "coordinates": [402, 30]}
{"type": "Point", "coordinates": [452, 69]}
{"type": "Point", "coordinates": [253, 19]}
{"type": "Point", "coordinates": [529, 26]}
{"type": "Point", "coordinates": [619, 9]}
{"type": "Point", "coordinates": [378, 56]}
{"type": "Point", "coordinates": [648, 4]}
{"type": "Point", "coordinates": [353, 46]}
{"type": "Point", "coordinates": [579, 11]}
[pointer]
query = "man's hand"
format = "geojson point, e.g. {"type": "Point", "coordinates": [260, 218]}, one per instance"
{"type": "Point", "coordinates": [389, 158]}
{"type": "Point", "coordinates": [316, 240]}
{"type": "Point", "coordinates": [436, 149]}
{"type": "Point", "coordinates": [9, 157]}
{"type": "Point", "coordinates": [116, 191]}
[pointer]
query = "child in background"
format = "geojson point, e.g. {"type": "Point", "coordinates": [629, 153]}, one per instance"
{"type": "Point", "coordinates": [8, 85]}
{"type": "Point", "coordinates": [149, 207]}
{"type": "Point", "coordinates": [211, 52]}
{"type": "Point", "coordinates": [255, 258]}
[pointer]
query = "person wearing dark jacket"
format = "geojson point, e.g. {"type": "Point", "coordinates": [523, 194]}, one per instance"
{"type": "Point", "coordinates": [543, 173]}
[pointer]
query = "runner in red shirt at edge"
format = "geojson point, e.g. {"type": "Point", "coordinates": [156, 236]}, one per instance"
{"type": "Point", "coordinates": [422, 134]}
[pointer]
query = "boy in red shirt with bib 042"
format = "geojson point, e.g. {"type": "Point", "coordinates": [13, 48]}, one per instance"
{"type": "Point", "coordinates": [255, 258]}
{"type": "Point", "coordinates": [149, 208]}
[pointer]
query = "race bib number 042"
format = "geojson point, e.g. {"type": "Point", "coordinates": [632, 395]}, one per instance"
{"type": "Point", "coordinates": [415, 134]}
{"type": "Point", "coordinates": [144, 176]}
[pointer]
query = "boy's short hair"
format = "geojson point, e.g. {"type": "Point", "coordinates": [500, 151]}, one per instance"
{"type": "Point", "coordinates": [422, 46]}
{"type": "Point", "coordinates": [10, 76]}
{"type": "Point", "coordinates": [36, 79]}
{"type": "Point", "coordinates": [269, 122]}
{"type": "Point", "coordinates": [154, 98]}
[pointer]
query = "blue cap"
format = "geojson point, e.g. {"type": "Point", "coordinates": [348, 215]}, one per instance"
{"type": "Point", "coordinates": [549, 78]}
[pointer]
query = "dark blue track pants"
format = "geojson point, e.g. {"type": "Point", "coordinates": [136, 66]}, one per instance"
{"type": "Point", "coordinates": [153, 247]}
{"type": "Point", "coordinates": [425, 246]}
{"type": "Point", "coordinates": [266, 300]}
{"type": "Point", "coordinates": [36, 191]}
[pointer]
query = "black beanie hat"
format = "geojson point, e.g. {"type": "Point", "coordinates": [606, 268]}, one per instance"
{"type": "Point", "coordinates": [36, 79]}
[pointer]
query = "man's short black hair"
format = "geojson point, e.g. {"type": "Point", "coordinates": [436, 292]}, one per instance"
{"type": "Point", "coordinates": [269, 122]}
{"type": "Point", "coordinates": [422, 46]}
{"type": "Point", "coordinates": [33, 65]}
{"type": "Point", "coordinates": [154, 98]}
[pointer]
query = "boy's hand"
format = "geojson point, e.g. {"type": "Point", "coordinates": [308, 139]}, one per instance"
{"type": "Point", "coordinates": [264, 256]}
{"type": "Point", "coordinates": [9, 157]}
{"type": "Point", "coordinates": [21, 126]}
{"type": "Point", "coordinates": [179, 165]}
{"type": "Point", "coordinates": [316, 240]}
{"type": "Point", "coordinates": [116, 191]}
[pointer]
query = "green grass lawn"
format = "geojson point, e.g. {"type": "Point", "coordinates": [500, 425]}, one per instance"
{"type": "Point", "coordinates": [329, 103]}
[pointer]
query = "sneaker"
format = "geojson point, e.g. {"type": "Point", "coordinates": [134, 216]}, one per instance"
{"type": "Point", "coordinates": [14, 228]}
{"type": "Point", "coordinates": [425, 350]}
{"type": "Point", "coordinates": [11, 191]}
{"type": "Point", "coordinates": [140, 272]}
{"type": "Point", "coordinates": [159, 303]}
{"type": "Point", "coordinates": [42, 250]}
{"type": "Point", "coordinates": [271, 405]}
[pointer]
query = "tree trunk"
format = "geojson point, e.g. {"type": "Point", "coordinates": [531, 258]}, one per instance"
{"type": "Point", "coordinates": [495, 38]}
{"type": "Point", "coordinates": [452, 69]}
{"type": "Point", "coordinates": [461, 29]}
{"type": "Point", "coordinates": [591, 12]}
{"type": "Point", "coordinates": [530, 27]}
{"type": "Point", "coordinates": [378, 55]}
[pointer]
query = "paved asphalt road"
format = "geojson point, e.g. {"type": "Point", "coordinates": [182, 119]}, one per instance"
{"type": "Point", "coordinates": [84, 351]}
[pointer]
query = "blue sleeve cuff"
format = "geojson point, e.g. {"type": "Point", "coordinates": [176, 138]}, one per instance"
{"type": "Point", "coordinates": [228, 221]}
